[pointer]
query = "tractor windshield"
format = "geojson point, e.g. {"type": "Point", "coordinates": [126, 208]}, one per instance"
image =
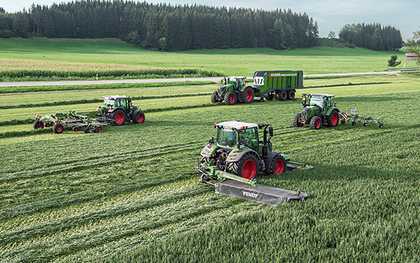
{"type": "Point", "coordinates": [317, 101]}
{"type": "Point", "coordinates": [249, 137]}
{"type": "Point", "coordinates": [109, 102]}
{"type": "Point", "coordinates": [226, 138]}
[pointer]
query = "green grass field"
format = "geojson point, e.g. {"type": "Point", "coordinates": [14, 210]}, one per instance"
{"type": "Point", "coordinates": [105, 55]}
{"type": "Point", "coordinates": [130, 193]}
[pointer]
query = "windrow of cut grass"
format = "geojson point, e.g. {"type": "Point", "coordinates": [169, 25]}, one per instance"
{"type": "Point", "coordinates": [130, 193]}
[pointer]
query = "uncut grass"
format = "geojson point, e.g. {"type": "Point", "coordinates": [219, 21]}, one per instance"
{"type": "Point", "coordinates": [364, 191]}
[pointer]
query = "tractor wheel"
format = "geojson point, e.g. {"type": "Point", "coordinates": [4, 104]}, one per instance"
{"type": "Point", "coordinates": [139, 117]}
{"type": "Point", "coordinates": [282, 95]}
{"type": "Point", "coordinates": [334, 119]}
{"type": "Point", "coordinates": [277, 166]}
{"type": "Point", "coordinates": [297, 120]}
{"type": "Point", "coordinates": [291, 95]}
{"type": "Point", "coordinates": [246, 167]}
{"type": "Point", "coordinates": [316, 123]}
{"type": "Point", "coordinates": [215, 97]}
{"type": "Point", "coordinates": [39, 125]}
{"type": "Point", "coordinates": [58, 128]}
{"type": "Point", "coordinates": [248, 95]}
{"type": "Point", "coordinates": [270, 96]}
{"type": "Point", "coordinates": [119, 117]}
{"type": "Point", "coordinates": [231, 98]}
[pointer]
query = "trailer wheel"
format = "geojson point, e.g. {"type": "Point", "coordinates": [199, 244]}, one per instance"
{"type": "Point", "coordinates": [248, 95]}
{"type": "Point", "coordinates": [215, 97]}
{"type": "Point", "coordinates": [139, 117]}
{"type": "Point", "coordinates": [39, 125]}
{"type": "Point", "coordinates": [281, 95]}
{"type": "Point", "coordinates": [231, 98]}
{"type": "Point", "coordinates": [119, 117]}
{"type": "Point", "coordinates": [334, 119]}
{"type": "Point", "coordinates": [316, 123]}
{"type": "Point", "coordinates": [246, 167]}
{"type": "Point", "coordinates": [58, 128]}
{"type": "Point", "coordinates": [291, 95]}
{"type": "Point", "coordinates": [277, 166]}
{"type": "Point", "coordinates": [297, 120]}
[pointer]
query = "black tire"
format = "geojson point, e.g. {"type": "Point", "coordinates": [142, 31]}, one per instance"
{"type": "Point", "coordinates": [231, 98]}
{"type": "Point", "coordinates": [296, 120]}
{"type": "Point", "coordinates": [38, 124]}
{"type": "Point", "coordinates": [274, 168]}
{"type": "Point", "coordinates": [316, 123]}
{"type": "Point", "coordinates": [240, 168]}
{"type": "Point", "coordinates": [281, 95]}
{"type": "Point", "coordinates": [247, 96]}
{"type": "Point", "coordinates": [215, 97]}
{"type": "Point", "coordinates": [291, 94]}
{"type": "Point", "coordinates": [58, 128]}
{"type": "Point", "coordinates": [139, 117]}
{"type": "Point", "coordinates": [270, 96]}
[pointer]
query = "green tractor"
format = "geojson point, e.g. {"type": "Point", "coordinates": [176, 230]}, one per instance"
{"type": "Point", "coordinates": [239, 153]}
{"type": "Point", "coordinates": [268, 85]}
{"type": "Point", "coordinates": [119, 110]}
{"type": "Point", "coordinates": [318, 110]}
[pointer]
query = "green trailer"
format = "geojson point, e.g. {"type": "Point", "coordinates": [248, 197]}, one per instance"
{"type": "Point", "coordinates": [267, 85]}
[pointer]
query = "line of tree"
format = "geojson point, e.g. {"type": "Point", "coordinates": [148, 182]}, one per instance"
{"type": "Point", "coordinates": [165, 27]}
{"type": "Point", "coordinates": [372, 36]}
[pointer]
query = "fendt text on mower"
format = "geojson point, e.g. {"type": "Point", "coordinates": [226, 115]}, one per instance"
{"type": "Point", "coordinates": [120, 110]}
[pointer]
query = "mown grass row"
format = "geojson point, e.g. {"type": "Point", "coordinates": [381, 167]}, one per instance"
{"type": "Point", "coordinates": [20, 75]}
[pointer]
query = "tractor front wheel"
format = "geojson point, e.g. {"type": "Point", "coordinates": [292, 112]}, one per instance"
{"type": "Point", "coordinates": [231, 98]}
{"type": "Point", "coordinates": [334, 119]}
{"type": "Point", "coordinates": [58, 128]}
{"type": "Point", "coordinates": [316, 123]}
{"type": "Point", "coordinates": [248, 95]}
{"type": "Point", "coordinates": [118, 117]}
{"type": "Point", "coordinates": [246, 167]}
{"type": "Point", "coordinates": [139, 118]}
{"type": "Point", "coordinates": [278, 165]}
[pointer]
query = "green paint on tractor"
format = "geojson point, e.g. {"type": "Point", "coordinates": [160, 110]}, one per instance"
{"type": "Point", "coordinates": [120, 110]}
{"type": "Point", "coordinates": [318, 110]}
{"type": "Point", "coordinates": [267, 85]}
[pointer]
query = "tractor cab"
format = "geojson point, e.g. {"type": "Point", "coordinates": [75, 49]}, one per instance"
{"type": "Point", "coordinates": [323, 101]}
{"type": "Point", "coordinates": [236, 82]}
{"type": "Point", "coordinates": [114, 102]}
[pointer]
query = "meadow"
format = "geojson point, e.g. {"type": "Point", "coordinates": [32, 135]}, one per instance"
{"type": "Point", "coordinates": [131, 194]}
{"type": "Point", "coordinates": [97, 58]}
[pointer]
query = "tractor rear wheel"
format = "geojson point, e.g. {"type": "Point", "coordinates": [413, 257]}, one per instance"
{"type": "Point", "coordinates": [248, 95]}
{"type": "Point", "coordinates": [246, 167]}
{"type": "Point", "coordinates": [139, 117]}
{"type": "Point", "coordinates": [231, 98]}
{"type": "Point", "coordinates": [58, 128]}
{"type": "Point", "coordinates": [277, 166]}
{"type": "Point", "coordinates": [291, 95]}
{"type": "Point", "coordinates": [119, 117]}
{"type": "Point", "coordinates": [316, 123]}
{"type": "Point", "coordinates": [281, 95]}
{"type": "Point", "coordinates": [334, 119]}
{"type": "Point", "coordinates": [215, 97]}
{"type": "Point", "coordinates": [38, 124]}
{"type": "Point", "coordinates": [297, 120]}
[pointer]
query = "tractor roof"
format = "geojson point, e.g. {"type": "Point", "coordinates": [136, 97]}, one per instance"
{"type": "Point", "coordinates": [229, 125]}
{"type": "Point", "coordinates": [320, 95]}
{"type": "Point", "coordinates": [116, 97]}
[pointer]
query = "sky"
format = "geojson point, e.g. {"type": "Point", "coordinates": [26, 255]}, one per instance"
{"type": "Point", "coordinates": [331, 15]}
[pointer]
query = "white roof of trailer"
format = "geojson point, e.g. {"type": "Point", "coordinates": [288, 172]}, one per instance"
{"type": "Point", "coordinates": [229, 125]}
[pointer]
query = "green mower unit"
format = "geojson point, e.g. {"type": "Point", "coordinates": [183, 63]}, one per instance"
{"type": "Point", "coordinates": [241, 151]}
{"type": "Point", "coordinates": [268, 85]}
{"type": "Point", "coordinates": [68, 121]}
{"type": "Point", "coordinates": [318, 110]}
{"type": "Point", "coordinates": [120, 110]}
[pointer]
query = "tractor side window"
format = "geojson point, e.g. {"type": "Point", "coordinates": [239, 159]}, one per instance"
{"type": "Point", "coordinates": [226, 138]}
{"type": "Point", "coordinates": [249, 137]}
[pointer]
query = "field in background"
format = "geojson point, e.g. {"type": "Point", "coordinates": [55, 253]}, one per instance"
{"type": "Point", "coordinates": [131, 192]}
{"type": "Point", "coordinates": [109, 55]}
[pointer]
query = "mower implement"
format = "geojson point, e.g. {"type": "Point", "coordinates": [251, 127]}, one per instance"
{"type": "Point", "coordinates": [231, 162]}
{"type": "Point", "coordinates": [354, 118]}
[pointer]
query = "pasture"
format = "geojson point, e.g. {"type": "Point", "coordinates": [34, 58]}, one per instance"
{"type": "Point", "coordinates": [130, 193]}
{"type": "Point", "coordinates": [79, 56]}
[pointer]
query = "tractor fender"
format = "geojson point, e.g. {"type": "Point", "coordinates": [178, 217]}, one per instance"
{"type": "Point", "coordinates": [245, 87]}
{"type": "Point", "coordinates": [236, 154]}
{"type": "Point", "coordinates": [331, 110]}
{"type": "Point", "coordinates": [208, 151]}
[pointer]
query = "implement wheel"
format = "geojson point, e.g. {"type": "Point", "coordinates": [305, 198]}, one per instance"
{"type": "Point", "coordinates": [231, 98]}
{"type": "Point", "coordinates": [316, 123]}
{"type": "Point", "coordinates": [248, 95]}
{"type": "Point", "coordinates": [291, 95]}
{"type": "Point", "coordinates": [58, 128]}
{"type": "Point", "coordinates": [334, 119]}
{"type": "Point", "coordinates": [246, 167]}
{"type": "Point", "coordinates": [39, 125]}
{"type": "Point", "coordinates": [119, 117]}
{"type": "Point", "coordinates": [297, 120]}
{"type": "Point", "coordinates": [215, 97]}
{"type": "Point", "coordinates": [282, 95]}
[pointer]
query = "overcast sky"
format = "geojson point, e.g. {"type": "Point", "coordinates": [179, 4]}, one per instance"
{"type": "Point", "coordinates": [331, 15]}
